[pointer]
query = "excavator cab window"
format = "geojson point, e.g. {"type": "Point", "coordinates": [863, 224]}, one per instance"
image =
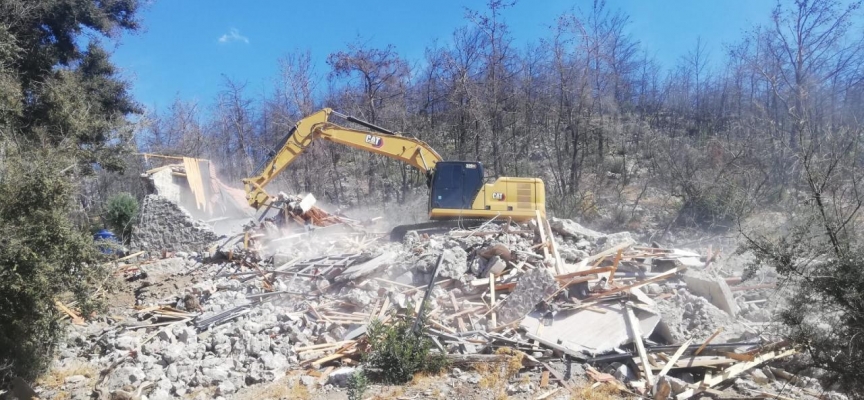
{"type": "Point", "coordinates": [455, 184]}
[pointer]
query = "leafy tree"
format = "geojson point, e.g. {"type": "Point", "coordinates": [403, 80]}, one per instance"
{"type": "Point", "coordinates": [822, 259]}
{"type": "Point", "coordinates": [120, 212]}
{"type": "Point", "coordinates": [42, 257]}
{"type": "Point", "coordinates": [58, 93]}
{"type": "Point", "coordinates": [62, 112]}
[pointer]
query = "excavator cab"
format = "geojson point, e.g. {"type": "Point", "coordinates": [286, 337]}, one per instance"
{"type": "Point", "coordinates": [455, 184]}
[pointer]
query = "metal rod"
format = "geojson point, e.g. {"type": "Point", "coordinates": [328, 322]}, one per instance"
{"type": "Point", "coordinates": [370, 125]}
{"type": "Point", "coordinates": [427, 294]}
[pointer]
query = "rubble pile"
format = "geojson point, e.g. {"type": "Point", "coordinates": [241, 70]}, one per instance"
{"type": "Point", "coordinates": [164, 225]}
{"type": "Point", "coordinates": [581, 307]}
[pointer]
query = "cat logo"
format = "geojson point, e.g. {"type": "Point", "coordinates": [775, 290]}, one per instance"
{"type": "Point", "coordinates": [375, 141]}
{"type": "Point", "coordinates": [498, 196]}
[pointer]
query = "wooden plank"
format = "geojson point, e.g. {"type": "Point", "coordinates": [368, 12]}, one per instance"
{"type": "Point", "coordinates": [384, 308]}
{"type": "Point", "coordinates": [542, 230]}
{"type": "Point", "coordinates": [665, 275]}
{"type": "Point", "coordinates": [584, 263]}
{"type": "Point", "coordinates": [440, 326]}
{"type": "Point", "coordinates": [494, 321]}
{"type": "Point", "coordinates": [76, 319]}
{"type": "Point", "coordinates": [544, 379]}
{"type": "Point", "coordinates": [640, 347]}
{"type": "Point", "coordinates": [702, 347]}
{"type": "Point", "coordinates": [559, 263]}
{"type": "Point", "coordinates": [698, 361]}
{"type": "Point", "coordinates": [742, 367]}
{"type": "Point", "coordinates": [615, 266]}
{"type": "Point", "coordinates": [557, 376]}
{"type": "Point", "coordinates": [322, 346]}
{"type": "Point", "coordinates": [459, 320]}
{"type": "Point", "coordinates": [547, 394]}
{"type": "Point", "coordinates": [317, 363]}
{"type": "Point", "coordinates": [325, 375]}
{"type": "Point", "coordinates": [670, 362]}
{"type": "Point", "coordinates": [463, 312]}
{"type": "Point", "coordinates": [592, 271]}
{"type": "Point", "coordinates": [737, 356]}
{"type": "Point", "coordinates": [133, 255]}
{"type": "Point", "coordinates": [739, 368]}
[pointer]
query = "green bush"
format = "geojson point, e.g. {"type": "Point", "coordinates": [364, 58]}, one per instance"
{"type": "Point", "coordinates": [120, 213]}
{"type": "Point", "coordinates": [399, 353]}
{"type": "Point", "coordinates": [357, 385]}
{"type": "Point", "coordinates": [42, 257]}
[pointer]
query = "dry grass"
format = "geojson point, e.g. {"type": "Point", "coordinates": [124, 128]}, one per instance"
{"type": "Point", "coordinates": [393, 394]}
{"type": "Point", "coordinates": [603, 392]}
{"type": "Point", "coordinates": [56, 377]}
{"type": "Point", "coordinates": [422, 379]}
{"type": "Point", "coordinates": [279, 389]}
{"type": "Point", "coordinates": [208, 392]}
{"type": "Point", "coordinates": [495, 376]}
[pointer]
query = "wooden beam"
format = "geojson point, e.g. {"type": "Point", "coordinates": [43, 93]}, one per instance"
{"type": "Point", "coordinates": [640, 347]}
{"type": "Point", "coordinates": [702, 347]}
{"type": "Point", "coordinates": [608, 252]}
{"type": "Point", "coordinates": [494, 320]}
{"type": "Point", "coordinates": [671, 362]}
{"type": "Point", "coordinates": [615, 266]}
{"type": "Point", "coordinates": [559, 262]}
{"type": "Point", "coordinates": [322, 346]}
{"type": "Point", "coordinates": [544, 379]}
{"type": "Point", "coordinates": [733, 371]}
{"type": "Point", "coordinates": [542, 230]}
{"type": "Point", "coordinates": [665, 275]}
{"type": "Point", "coordinates": [76, 319]}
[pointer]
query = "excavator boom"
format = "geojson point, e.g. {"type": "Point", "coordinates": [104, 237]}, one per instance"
{"type": "Point", "coordinates": [410, 151]}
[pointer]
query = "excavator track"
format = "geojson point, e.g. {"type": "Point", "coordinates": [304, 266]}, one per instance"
{"type": "Point", "coordinates": [398, 233]}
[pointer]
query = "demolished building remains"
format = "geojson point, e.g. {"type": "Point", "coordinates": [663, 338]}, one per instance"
{"type": "Point", "coordinates": [270, 300]}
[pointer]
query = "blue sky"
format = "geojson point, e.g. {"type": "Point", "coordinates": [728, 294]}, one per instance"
{"type": "Point", "coordinates": [187, 45]}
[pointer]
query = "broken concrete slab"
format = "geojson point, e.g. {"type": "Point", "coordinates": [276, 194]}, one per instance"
{"type": "Point", "coordinates": [713, 288]}
{"type": "Point", "coordinates": [367, 268]}
{"type": "Point", "coordinates": [590, 331]}
{"type": "Point", "coordinates": [533, 287]}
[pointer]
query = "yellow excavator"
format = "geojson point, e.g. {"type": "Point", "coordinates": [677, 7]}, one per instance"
{"type": "Point", "coordinates": [458, 193]}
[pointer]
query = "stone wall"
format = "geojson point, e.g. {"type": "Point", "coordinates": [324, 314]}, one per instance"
{"type": "Point", "coordinates": [163, 225]}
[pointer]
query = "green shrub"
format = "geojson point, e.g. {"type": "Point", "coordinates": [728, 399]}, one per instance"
{"type": "Point", "coordinates": [42, 257]}
{"type": "Point", "coordinates": [357, 384]}
{"type": "Point", "coordinates": [120, 213]}
{"type": "Point", "coordinates": [399, 353]}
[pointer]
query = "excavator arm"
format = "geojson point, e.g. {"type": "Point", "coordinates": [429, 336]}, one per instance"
{"type": "Point", "coordinates": [413, 152]}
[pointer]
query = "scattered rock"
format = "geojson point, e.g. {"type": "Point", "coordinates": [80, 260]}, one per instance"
{"type": "Point", "coordinates": [759, 377]}
{"type": "Point", "coordinates": [339, 377]}
{"type": "Point", "coordinates": [568, 227]}
{"type": "Point", "coordinates": [225, 388]}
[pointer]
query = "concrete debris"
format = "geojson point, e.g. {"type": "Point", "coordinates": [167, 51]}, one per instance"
{"type": "Point", "coordinates": [608, 328]}
{"type": "Point", "coordinates": [571, 228]}
{"type": "Point", "coordinates": [532, 287]}
{"type": "Point", "coordinates": [713, 288]}
{"type": "Point", "coordinates": [164, 225]}
{"type": "Point", "coordinates": [296, 297]}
